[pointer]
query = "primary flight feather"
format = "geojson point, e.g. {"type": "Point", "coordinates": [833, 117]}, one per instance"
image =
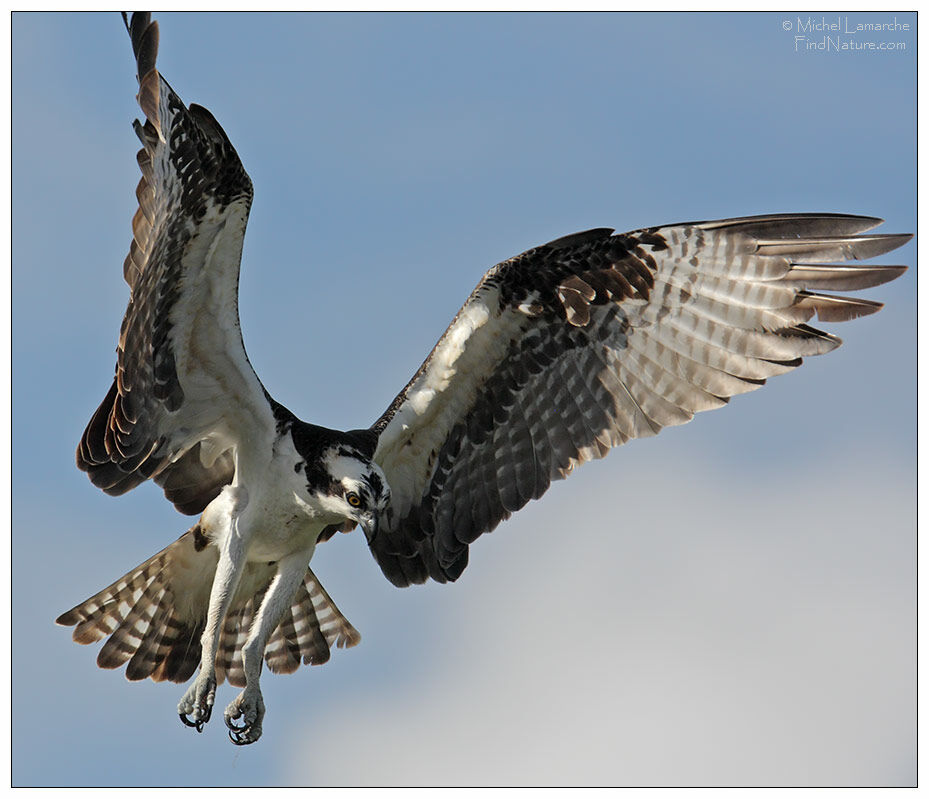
{"type": "Point", "coordinates": [558, 355]}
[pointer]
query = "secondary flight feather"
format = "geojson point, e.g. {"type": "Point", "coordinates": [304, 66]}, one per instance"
{"type": "Point", "coordinates": [559, 354]}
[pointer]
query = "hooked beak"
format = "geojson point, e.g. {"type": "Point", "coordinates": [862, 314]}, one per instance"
{"type": "Point", "coordinates": [369, 525]}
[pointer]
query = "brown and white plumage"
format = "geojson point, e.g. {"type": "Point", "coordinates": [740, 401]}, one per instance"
{"type": "Point", "coordinates": [579, 345]}
{"type": "Point", "coordinates": [153, 618]}
{"type": "Point", "coordinates": [183, 385]}
{"type": "Point", "coordinates": [186, 409]}
{"type": "Point", "coordinates": [559, 354]}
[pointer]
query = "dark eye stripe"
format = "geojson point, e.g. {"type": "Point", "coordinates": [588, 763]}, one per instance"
{"type": "Point", "coordinates": [377, 485]}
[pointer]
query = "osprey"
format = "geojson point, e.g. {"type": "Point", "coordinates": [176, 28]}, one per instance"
{"type": "Point", "coordinates": [558, 355]}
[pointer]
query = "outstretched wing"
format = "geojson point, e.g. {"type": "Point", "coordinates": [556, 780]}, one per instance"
{"type": "Point", "coordinates": [579, 345]}
{"type": "Point", "coordinates": [183, 383]}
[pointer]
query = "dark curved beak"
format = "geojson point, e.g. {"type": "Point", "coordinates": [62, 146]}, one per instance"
{"type": "Point", "coordinates": [369, 525]}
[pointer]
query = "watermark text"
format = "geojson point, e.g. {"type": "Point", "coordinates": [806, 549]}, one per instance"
{"type": "Point", "coordinates": [842, 33]}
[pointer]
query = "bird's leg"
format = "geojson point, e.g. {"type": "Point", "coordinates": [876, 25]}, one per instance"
{"type": "Point", "coordinates": [248, 705]}
{"type": "Point", "coordinates": [196, 706]}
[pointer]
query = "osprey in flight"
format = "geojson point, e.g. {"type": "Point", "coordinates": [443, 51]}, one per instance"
{"type": "Point", "coordinates": [558, 355]}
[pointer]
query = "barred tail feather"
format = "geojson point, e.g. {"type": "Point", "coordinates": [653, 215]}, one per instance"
{"type": "Point", "coordinates": [335, 628]}
{"type": "Point", "coordinates": [153, 618]}
{"type": "Point", "coordinates": [146, 629]}
{"type": "Point", "coordinates": [306, 633]}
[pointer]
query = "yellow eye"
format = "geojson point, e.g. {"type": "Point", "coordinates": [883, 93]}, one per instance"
{"type": "Point", "coordinates": [353, 499]}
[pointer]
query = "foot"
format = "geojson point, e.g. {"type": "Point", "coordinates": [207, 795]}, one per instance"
{"type": "Point", "coordinates": [250, 707]}
{"type": "Point", "coordinates": [196, 706]}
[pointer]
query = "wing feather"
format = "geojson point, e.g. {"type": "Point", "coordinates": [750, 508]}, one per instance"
{"type": "Point", "coordinates": [577, 346]}
{"type": "Point", "coordinates": [182, 375]}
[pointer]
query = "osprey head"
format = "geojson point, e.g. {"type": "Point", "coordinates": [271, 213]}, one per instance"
{"type": "Point", "coordinates": [348, 485]}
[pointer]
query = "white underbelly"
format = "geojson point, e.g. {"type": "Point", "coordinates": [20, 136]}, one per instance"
{"type": "Point", "coordinates": [272, 541]}
{"type": "Point", "coordinates": [272, 529]}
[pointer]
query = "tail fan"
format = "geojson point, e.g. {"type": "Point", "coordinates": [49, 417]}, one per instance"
{"type": "Point", "coordinates": [153, 618]}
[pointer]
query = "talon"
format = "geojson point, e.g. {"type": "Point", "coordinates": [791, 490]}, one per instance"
{"type": "Point", "coordinates": [248, 709]}
{"type": "Point", "coordinates": [229, 718]}
{"type": "Point", "coordinates": [197, 725]}
{"type": "Point", "coordinates": [237, 739]}
{"type": "Point", "coordinates": [196, 706]}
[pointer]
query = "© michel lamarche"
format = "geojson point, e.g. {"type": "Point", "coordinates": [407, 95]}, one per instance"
{"type": "Point", "coordinates": [558, 355]}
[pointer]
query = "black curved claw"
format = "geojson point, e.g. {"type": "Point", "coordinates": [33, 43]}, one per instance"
{"type": "Point", "coordinates": [198, 725]}
{"type": "Point", "coordinates": [236, 727]}
{"type": "Point", "coordinates": [235, 735]}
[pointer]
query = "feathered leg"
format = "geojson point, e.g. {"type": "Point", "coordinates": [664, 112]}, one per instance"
{"type": "Point", "coordinates": [222, 517]}
{"type": "Point", "coordinates": [248, 705]}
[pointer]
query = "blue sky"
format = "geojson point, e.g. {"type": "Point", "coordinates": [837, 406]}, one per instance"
{"type": "Point", "coordinates": [730, 603]}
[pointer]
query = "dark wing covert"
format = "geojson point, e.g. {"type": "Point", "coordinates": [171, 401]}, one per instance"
{"type": "Point", "coordinates": [581, 344]}
{"type": "Point", "coordinates": [182, 376]}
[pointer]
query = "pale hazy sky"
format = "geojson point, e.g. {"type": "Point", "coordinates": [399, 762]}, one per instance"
{"type": "Point", "coordinates": [732, 602]}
